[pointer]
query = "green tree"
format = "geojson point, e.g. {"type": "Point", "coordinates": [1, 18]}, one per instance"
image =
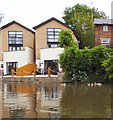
{"type": "Point", "coordinates": [66, 39]}
{"type": "Point", "coordinates": [81, 17]}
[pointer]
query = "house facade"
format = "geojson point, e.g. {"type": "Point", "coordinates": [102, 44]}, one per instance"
{"type": "Point", "coordinates": [20, 46]}
{"type": "Point", "coordinates": [46, 47]}
{"type": "Point", "coordinates": [16, 47]}
{"type": "Point", "coordinates": [103, 32]}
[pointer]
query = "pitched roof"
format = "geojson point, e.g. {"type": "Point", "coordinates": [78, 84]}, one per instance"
{"type": "Point", "coordinates": [49, 20]}
{"type": "Point", "coordinates": [14, 22]}
{"type": "Point", "coordinates": [103, 21]}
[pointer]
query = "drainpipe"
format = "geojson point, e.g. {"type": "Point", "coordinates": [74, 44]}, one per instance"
{"type": "Point", "coordinates": [34, 48]}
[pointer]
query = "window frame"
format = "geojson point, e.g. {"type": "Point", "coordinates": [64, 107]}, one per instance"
{"type": "Point", "coordinates": [52, 37]}
{"type": "Point", "coordinates": [15, 40]}
{"type": "Point", "coordinates": [105, 28]}
{"type": "Point", "coordinates": [52, 34]}
{"type": "Point", "coordinates": [105, 41]}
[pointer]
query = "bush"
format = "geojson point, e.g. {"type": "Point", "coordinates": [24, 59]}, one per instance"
{"type": "Point", "coordinates": [81, 64]}
{"type": "Point", "coordinates": [108, 64]}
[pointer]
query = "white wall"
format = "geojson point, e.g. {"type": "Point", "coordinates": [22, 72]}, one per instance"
{"type": "Point", "coordinates": [49, 54]}
{"type": "Point", "coordinates": [37, 62]}
{"type": "Point", "coordinates": [22, 57]}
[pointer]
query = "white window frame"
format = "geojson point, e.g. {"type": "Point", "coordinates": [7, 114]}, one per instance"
{"type": "Point", "coordinates": [105, 41]}
{"type": "Point", "coordinates": [105, 28]}
{"type": "Point", "coordinates": [54, 45]}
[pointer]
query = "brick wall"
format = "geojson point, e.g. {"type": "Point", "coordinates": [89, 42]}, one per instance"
{"type": "Point", "coordinates": [99, 34]}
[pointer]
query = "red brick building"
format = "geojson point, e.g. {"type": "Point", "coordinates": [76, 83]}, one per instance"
{"type": "Point", "coordinates": [103, 32]}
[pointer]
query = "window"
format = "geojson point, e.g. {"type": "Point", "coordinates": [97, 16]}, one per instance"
{"type": "Point", "coordinates": [52, 36]}
{"type": "Point", "coordinates": [2, 65]}
{"type": "Point", "coordinates": [40, 64]}
{"type": "Point", "coordinates": [15, 40]}
{"type": "Point", "coordinates": [105, 28]}
{"type": "Point", "coordinates": [105, 41]}
{"type": "Point", "coordinates": [53, 45]}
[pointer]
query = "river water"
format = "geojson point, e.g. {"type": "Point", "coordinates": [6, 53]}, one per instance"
{"type": "Point", "coordinates": [31, 99]}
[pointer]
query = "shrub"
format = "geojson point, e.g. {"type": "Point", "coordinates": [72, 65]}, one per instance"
{"type": "Point", "coordinates": [82, 64]}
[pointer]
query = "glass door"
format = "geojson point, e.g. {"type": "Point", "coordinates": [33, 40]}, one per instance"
{"type": "Point", "coordinates": [53, 64]}
{"type": "Point", "coordinates": [11, 65]}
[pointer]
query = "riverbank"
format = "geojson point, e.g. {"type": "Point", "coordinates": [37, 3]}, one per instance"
{"type": "Point", "coordinates": [38, 78]}
{"type": "Point", "coordinates": [30, 76]}
{"type": "Point", "coordinates": [57, 78]}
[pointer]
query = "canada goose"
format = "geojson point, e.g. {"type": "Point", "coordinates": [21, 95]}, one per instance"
{"type": "Point", "coordinates": [98, 84]}
{"type": "Point", "coordinates": [64, 84]}
{"type": "Point", "coordinates": [90, 84]}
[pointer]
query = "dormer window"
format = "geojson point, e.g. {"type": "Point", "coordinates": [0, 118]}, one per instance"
{"type": "Point", "coordinates": [105, 28]}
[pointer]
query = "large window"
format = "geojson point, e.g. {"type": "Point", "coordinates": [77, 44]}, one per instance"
{"type": "Point", "coordinates": [52, 36]}
{"type": "Point", "coordinates": [15, 40]}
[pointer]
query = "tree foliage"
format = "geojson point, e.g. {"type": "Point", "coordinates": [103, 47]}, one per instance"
{"type": "Point", "coordinates": [82, 64]}
{"type": "Point", "coordinates": [81, 17]}
{"type": "Point", "coordinates": [108, 64]}
{"type": "Point", "coordinates": [66, 39]}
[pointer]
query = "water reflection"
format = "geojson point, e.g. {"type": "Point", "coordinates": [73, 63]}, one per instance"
{"type": "Point", "coordinates": [86, 102]}
{"type": "Point", "coordinates": [30, 99]}
{"type": "Point", "coordinates": [19, 99]}
{"type": "Point", "coordinates": [50, 99]}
